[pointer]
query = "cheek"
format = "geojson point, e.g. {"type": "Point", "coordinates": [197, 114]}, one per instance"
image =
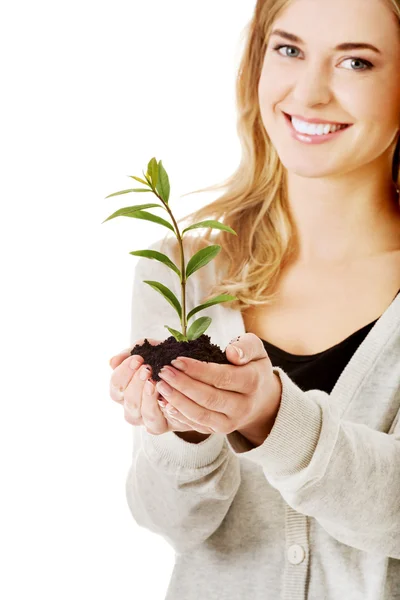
{"type": "Point", "coordinates": [273, 80]}
{"type": "Point", "coordinates": [372, 101]}
{"type": "Point", "coordinates": [271, 94]}
{"type": "Point", "coordinates": [379, 116]}
{"type": "Point", "coordinates": [385, 108]}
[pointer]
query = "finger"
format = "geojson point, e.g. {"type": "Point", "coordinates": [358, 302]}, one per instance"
{"type": "Point", "coordinates": [176, 421]}
{"type": "Point", "coordinates": [179, 420]}
{"type": "Point", "coordinates": [133, 395]}
{"type": "Point", "coordinates": [226, 376]}
{"type": "Point", "coordinates": [115, 361]}
{"type": "Point", "coordinates": [122, 375]}
{"type": "Point", "coordinates": [200, 401]}
{"type": "Point", "coordinates": [172, 415]}
{"type": "Point", "coordinates": [233, 378]}
{"type": "Point", "coordinates": [153, 419]}
{"type": "Point", "coordinates": [246, 348]}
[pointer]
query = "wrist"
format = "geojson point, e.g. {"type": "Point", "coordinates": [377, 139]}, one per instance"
{"type": "Point", "coordinates": [258, 432]}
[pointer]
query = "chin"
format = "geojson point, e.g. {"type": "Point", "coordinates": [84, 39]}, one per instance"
{"type": "Point", "coordinates": [305, 168]}
{"type": "Point", "coordinates": [298, 161]}
{"type": "Point", "coordinates": [308, 171]}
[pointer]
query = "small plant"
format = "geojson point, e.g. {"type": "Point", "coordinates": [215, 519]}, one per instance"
{"type": "Point", "coordinates": [156, 181]}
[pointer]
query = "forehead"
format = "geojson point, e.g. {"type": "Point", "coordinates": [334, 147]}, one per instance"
{"type": "Point", "coordinates": [340, 21]}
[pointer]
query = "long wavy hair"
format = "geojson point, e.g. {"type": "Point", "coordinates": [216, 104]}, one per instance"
{"type": "Point", "coordinates": [255, 202]}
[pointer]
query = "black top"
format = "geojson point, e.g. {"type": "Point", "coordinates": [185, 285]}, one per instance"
{"type": "Point", "coordinates": [318, 371]}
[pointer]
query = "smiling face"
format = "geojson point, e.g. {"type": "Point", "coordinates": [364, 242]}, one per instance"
{"type": "Point", "coordinates": [313, 79]}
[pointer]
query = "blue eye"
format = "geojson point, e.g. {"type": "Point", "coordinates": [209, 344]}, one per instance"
{"type": "Point", "coordinates": [277, 48]}
{"type": "Point", "coordinates": [368, 65]}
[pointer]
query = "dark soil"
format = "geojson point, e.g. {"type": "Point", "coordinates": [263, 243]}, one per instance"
{"type": "Point", "coordinates": [169, 349]}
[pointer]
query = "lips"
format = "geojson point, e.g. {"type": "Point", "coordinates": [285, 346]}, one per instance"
{"type": "Point", "coordinates": [313, 138]}
{"type": "Point", "coordinates": [313, 121]}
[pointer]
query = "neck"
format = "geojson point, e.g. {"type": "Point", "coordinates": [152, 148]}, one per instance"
{"type": "Point", "coordinates": [339, 224]}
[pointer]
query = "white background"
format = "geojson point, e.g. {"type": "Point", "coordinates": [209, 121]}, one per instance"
{"type": "Point", "coordinates": [91, 91]}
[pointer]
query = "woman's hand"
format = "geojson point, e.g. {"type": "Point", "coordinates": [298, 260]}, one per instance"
{"type": "Point", "coordinates": [139, 397]}
{"type": "Point", "coordinates": [244, 396]}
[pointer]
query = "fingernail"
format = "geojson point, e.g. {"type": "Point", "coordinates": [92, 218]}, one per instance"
{"type": "Point", "coordinates": [144, 373]}
{"type": "Point", "coordinates": [134, 364]}
{"type": "Point", "coordinates": [149, 387]}
{"type": "Point", "coordinates": [167, 372]}
{"type": "Point", "coordinates": [178, 364]}
{"type": "Point", "coordinates": [239, 351]}
{"type": "Point", "coordinates": [163, 388]}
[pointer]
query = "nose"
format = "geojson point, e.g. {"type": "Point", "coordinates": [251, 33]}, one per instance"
{"type": "Point", "coordinates": [312, 85]}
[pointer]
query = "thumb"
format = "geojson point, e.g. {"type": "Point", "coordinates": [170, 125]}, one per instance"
{"type": "Point", "coordinates": [245, 348]}
{"type": "Point", "coordinates": [235, 354]}
{"type": "Point", "coordinates": [116, 360]}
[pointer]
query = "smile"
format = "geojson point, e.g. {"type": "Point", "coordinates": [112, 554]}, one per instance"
{"type": "Point", "coordinates": [313, 133]}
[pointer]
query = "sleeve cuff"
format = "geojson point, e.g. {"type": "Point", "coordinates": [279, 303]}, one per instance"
{"type": "Point", "coordinates": [180, 453]}
{"type": "Point", "coordinates": [293, 439]}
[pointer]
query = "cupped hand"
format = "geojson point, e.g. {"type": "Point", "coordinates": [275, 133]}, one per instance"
{"type": "Point", "coordinates": [242, 396]}
{"type": "Point", "coordinates": [143, 405]}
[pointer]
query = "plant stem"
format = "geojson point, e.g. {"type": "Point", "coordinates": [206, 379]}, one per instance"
{"type": "Point", "coordinates": [183, 267]}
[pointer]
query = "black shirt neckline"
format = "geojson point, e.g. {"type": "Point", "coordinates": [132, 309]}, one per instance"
{"type": "Point", "coordinates": [304, 357]}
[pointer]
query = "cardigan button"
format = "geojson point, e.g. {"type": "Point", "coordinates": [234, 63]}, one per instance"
{"type": "Point", "coordinates": [296, 554]}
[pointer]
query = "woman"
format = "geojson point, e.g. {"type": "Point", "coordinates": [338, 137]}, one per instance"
{"type": "Point", "coordinates": [278, 476]}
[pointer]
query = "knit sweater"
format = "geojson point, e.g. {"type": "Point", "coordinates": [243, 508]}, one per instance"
{"type": "Point", "coordinates": [313, 513]}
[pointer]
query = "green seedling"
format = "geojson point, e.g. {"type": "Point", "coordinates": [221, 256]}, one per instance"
{"type": "Point", "coordinates": [156, 181]}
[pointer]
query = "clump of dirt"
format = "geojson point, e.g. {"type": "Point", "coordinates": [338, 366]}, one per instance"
{"type": "Point", "coordinates": [161, 354]}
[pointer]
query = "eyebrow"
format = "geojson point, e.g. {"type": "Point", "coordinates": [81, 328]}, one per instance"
{"type": "Point", "coordinates": [344, 46]}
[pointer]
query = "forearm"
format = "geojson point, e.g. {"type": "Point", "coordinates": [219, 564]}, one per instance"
{"type": "Point", "coordinates": [178, 491]}
{"type": "Point", "coordinates": [258, 432]}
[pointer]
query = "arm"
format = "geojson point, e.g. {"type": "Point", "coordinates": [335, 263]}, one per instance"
{"type": "Point", "coordinates": [344, 474]}
{"type": "Point", "coordinates": [257, 433]}
{"type": "Point", "coordinates": [178, 486]}
{"type": "Point", "coordinates": [179, 490]}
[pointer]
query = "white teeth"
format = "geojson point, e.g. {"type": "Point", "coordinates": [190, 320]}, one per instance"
{"type": "Point", "coordinates": [314, 128]}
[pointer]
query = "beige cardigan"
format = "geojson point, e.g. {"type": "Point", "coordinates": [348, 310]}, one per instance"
{"type": "Point", "coordinates": [314, 512]}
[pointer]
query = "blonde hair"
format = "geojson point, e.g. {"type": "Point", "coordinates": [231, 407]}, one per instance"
{"type": "Point", "coordinates": [255, 201]}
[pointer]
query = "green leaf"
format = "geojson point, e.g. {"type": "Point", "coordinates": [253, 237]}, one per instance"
{"type": "Point", "coordinates": [129, 211]}
{"type": "Point", "coordinates": [211, 223]}
{"type": "Point", "coordinates": [138, 179]}
{"type": "Point", "coordinates": [127, 192]}
{"type": "Point", "coordinates": [163, 187]}
{"type": "Point", "coordinates": [147, 179]}
{"type": "Point", "coordinates": [141, 214]}
{"type": "Point", "coordinates": [198, 328]}
{"type": "Point", "coordinates": [177, 334]}
{"type": "Point", "coordinates": [153, 254]}
{"type": "Point", "coordinates": [149, 217]}
{"type": "Point", "coordinates": [152, 171]}
{"type": "Point", "coordinates": [201, 258]}
{"type": "Point", "coordinates": [168, 295]}
{"type": "Point", "coordinates": [211, 302]}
